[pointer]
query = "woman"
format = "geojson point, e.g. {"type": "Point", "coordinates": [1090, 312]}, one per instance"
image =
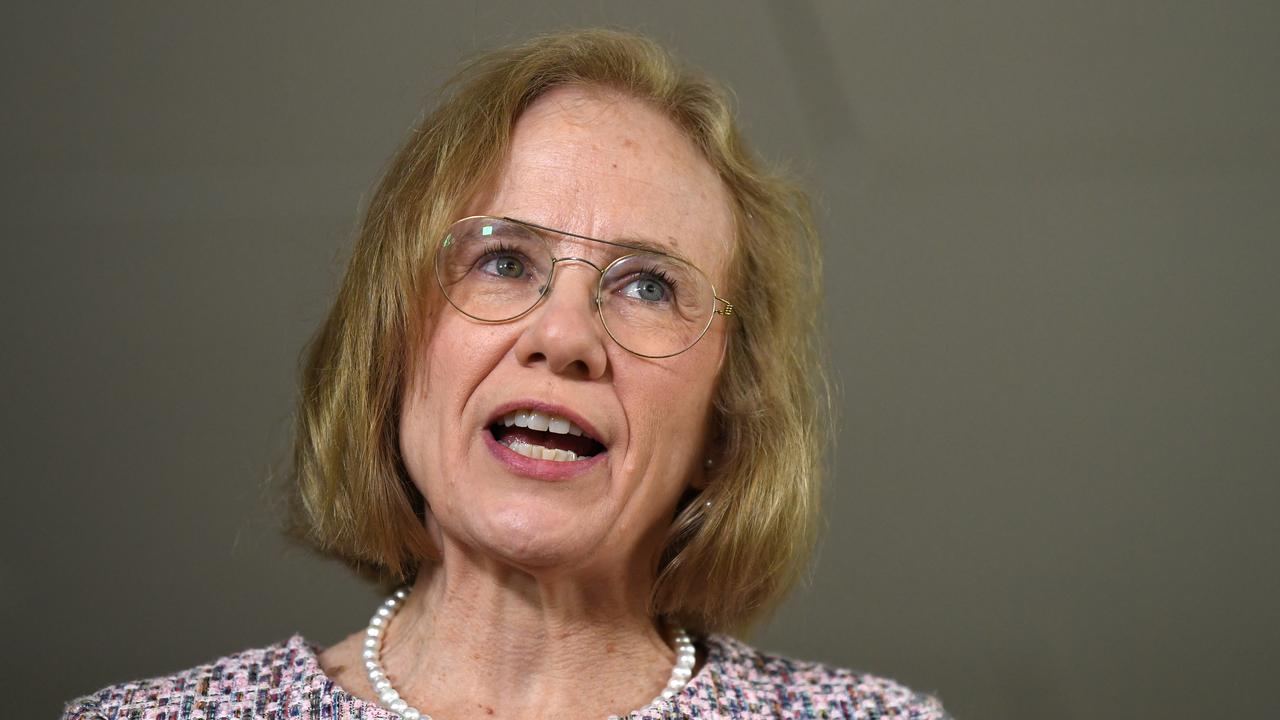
{"type": "Point", "coordinates": [568, 398]}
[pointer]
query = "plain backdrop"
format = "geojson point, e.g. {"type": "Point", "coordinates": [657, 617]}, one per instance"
{"type": "Point", "coordinates": [1052, 297]}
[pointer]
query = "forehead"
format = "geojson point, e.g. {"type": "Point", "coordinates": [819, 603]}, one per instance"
{"type": "Point", "coordinates": [605, 165]}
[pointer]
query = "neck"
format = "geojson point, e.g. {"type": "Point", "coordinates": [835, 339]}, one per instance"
{"type": "Point", "coordinates": [478, 639]}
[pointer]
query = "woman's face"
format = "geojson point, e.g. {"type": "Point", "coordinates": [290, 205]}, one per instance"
{"type": "Point", "coordinates": [606, 166]}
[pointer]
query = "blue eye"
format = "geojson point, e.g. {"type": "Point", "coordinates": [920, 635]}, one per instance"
{"type": "Point", "coordinates": [649, 288]}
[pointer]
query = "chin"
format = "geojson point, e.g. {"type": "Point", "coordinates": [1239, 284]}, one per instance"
{"type": "Point", "coordinates": [533, 536]}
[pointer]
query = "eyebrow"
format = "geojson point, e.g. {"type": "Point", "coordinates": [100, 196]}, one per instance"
{"type": "Point", "coordinates": [629, 243]}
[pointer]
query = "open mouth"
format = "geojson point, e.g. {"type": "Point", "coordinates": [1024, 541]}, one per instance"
{"type": "Point", "coordinates": [544, 436]}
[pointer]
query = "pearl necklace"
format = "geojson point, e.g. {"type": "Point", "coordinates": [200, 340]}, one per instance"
{"type": "Point", "coordinates": [390, 699]}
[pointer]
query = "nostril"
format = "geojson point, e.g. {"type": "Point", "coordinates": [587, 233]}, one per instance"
{"type": "Point", "coordinates": [566, 337]}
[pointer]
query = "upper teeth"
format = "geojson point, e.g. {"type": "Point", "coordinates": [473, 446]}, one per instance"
{"type": "Point", "coordinates": [535, 420]}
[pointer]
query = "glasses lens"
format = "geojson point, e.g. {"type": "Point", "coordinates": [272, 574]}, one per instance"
{"type": "Point", "coordinates": [655, 305]}
{"type": "Point", "coordinates": [492, 269]}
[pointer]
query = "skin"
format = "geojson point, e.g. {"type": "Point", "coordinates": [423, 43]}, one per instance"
{"type": "Point", "coordinates": [538, 606]}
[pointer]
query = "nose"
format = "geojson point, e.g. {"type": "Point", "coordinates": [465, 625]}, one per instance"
{"type": "Point", "coordinates": [563, 330]}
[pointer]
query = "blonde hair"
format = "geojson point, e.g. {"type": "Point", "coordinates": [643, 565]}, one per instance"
{"type": "Point", "coordinates": [722, 565]}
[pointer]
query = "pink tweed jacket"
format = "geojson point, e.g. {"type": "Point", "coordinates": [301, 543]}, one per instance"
{"type": "Point", "coordinates": [284, 682]}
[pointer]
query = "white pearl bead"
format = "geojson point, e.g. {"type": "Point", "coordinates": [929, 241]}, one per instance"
{"type": "Point", "coordinates": [373, 631]}
{"type": "Point", "coordinates": [411, 714]}
{"type": "Point", "coordinates": [376, 621]}
{"type": "Point", "coordinates": [401, 594]}
{"type": "Point", "coordinates": [369, 654]}
{"type": "Point", "coordinates": [370, 643]}
{"type": "Point", "coordinates": [384, 612]}
{"type": "Point", "coordinates": [399, 706]}
{"type": "Point", "coordinates": [389, 696]}
{"type": "Point", "coordinates": [667, 694]}
{"type": "Point", "coordinates": [382, 685]}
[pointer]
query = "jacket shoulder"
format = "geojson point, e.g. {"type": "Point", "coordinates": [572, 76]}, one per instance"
{"type": "Point", "coordinates": [771, 685]}
{"type": "Point", "coordinates": [259, 682]}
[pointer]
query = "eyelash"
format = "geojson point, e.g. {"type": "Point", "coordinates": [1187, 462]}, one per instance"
{"type": "Point", "coordinates": [499, 249]}
{"type": "Point", "coordinates": [666, 279]}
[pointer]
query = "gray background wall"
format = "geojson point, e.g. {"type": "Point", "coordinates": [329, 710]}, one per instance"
{"type": "Point", "coordinates": [1052, 297]}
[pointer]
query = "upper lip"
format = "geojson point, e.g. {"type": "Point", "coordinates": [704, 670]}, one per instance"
{"type": "Point", "coordinates": [552, 409]}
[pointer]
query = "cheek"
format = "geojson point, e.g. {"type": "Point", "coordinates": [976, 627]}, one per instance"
{"type": "Point", "coordinates": [669, 406]}
{"type": "Point", "coordinates": [458, 357]}
{"type": "Point", "coordinates": [453, 362]}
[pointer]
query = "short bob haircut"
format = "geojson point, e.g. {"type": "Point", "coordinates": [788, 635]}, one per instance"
{"type": "Point", "coordinates": [723, 565]}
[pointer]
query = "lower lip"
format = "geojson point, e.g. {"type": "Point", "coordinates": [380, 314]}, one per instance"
{"type": "Point", "coordinates": [539, 469]}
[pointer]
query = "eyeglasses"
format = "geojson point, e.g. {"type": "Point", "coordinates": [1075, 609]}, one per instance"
{"type": "Point", "coordinates": [653, 304]}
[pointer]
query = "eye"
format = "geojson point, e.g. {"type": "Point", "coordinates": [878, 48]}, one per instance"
{"type": "Point", "coordinates": [503, 263]}
{"type": "Point", "coordinates": [649, 288]}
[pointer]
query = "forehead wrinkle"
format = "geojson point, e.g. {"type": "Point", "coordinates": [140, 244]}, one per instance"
{"type": "Point", "coordinates": [623, 243]}
{"type": "Point", "coordinates": [549, 208]}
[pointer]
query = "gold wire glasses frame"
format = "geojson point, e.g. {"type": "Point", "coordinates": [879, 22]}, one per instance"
{"type": "Point", "coordinates": [471, 229]}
